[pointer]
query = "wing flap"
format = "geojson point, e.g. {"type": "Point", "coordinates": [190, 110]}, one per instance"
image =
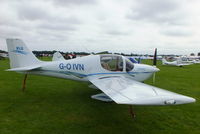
{"type": "Point", "coordinates": [124, 90]}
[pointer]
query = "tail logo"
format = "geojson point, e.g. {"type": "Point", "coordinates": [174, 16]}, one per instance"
{"type": "Point", "coordinates": [20, 50]}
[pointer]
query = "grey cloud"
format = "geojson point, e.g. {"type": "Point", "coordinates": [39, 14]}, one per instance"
{"type": "Point", "coordinates": [69, 20]}
{"type": "Point", "coordinates": [157, 11]}
{"type": "Point", "coordinates": [6, 32]}
{"type": "Point", "coordinates": [32, 13]}
{"type": "Point", "coordinates": [176, 32]}
{"type": "Point", "coordinates": [5, 21]}
{"type": "Point", "coordinates": [60, 24]}
{"type": "Point", "coordinates": [15, 32]}
{"type": "Point", "coordinates": [115, 32]}
{"type": "Point", "coordinates": [45, 20]}
{"type": "Point", "coordinates": [73, 2]}
{"type": "Point", "coordinates": [51, 35]}
{"type": "Point", "coordinates": [57, 27]}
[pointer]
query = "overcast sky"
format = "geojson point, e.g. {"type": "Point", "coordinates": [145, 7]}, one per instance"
{"type": "Point", "coordinates": [129, 26]}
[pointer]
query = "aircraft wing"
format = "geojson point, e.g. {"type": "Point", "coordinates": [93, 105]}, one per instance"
{"type": "Point", "coordinates": [124, 90]}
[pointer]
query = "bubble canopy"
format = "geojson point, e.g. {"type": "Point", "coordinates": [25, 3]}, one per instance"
{"type": "Point", "coordinates": [116, 63]}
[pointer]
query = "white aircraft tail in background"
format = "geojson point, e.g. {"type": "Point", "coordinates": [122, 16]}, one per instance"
{"type": "Point", "coordinates": [57, 56]}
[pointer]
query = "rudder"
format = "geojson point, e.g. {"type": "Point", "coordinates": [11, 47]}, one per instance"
{"type": "Point", "coordinates": [164, 61]}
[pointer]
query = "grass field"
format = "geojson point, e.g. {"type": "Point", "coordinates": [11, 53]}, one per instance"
{"type": "Point", "coordinates": [58, 106]}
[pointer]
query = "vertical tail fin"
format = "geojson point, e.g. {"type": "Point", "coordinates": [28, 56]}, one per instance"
{"type": "Point", "coordinates": [164, 61]}
{"type": "Point", "coordinates": [19, 54]}
{"type": "Point", "coordinates": [57, 57]}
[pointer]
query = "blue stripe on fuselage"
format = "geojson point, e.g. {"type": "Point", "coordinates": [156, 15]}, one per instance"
{"type": "Point", "coordinates": [93, 74]}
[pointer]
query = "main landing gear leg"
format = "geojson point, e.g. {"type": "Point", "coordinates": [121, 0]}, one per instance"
{"type": "Point", "coordinates": [131, 111]}
{"type": "Point", "coordinates": [24, 83]}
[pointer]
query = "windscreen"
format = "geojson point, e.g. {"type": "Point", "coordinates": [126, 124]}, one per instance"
{"type": "Point", "coordinates": [112, 62]}
{"type": "Point", "coordinates": [129, 65]}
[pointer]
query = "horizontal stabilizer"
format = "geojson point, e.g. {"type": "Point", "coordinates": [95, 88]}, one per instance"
{"type": "Point", "coordinates": [28, 68]}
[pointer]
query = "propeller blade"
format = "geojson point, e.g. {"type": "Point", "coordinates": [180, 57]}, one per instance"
{"type": "Point", "coordinates": [154, 63]}
{"type": "Point", "coordinates": [155, 58]}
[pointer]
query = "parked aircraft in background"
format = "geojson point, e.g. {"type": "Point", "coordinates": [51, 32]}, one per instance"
{"type": "Point", "coordinates": [116, 76]}
{"type": "Point", "coordinates": [188, 59]}
{"type": "Point", "coordinates": [178, 63]}
{"type": "Point", "coordinates": [196, 61]}
{"type": "Point", "coordinates": [134, 60]}
{"type": "Point", "coordinates": [3, 55]}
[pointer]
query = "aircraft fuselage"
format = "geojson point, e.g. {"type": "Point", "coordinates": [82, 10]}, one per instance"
{"type": "Point", "coordinates": [80, 68]}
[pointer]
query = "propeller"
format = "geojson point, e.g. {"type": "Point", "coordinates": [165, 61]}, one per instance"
{"type": "Point", "coordinates": [154, 64]}
{"type": "Point", "coordinates": [155, 57]}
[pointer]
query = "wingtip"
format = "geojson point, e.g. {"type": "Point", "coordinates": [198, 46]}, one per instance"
{"type": "Point", "coordinates": [186, 99]}
{"type": "Point", "coordinates": [192, 100]}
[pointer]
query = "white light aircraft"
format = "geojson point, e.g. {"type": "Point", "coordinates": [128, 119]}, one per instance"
{"type": "Point", "coordinates": [116, 76]}
{"type": "Point", "coordinates": [174, 63]}
{"type": "Point", "coordinates": [187, 60]}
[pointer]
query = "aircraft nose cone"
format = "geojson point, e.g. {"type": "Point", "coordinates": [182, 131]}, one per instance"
{"type": "Point", "coordinates": [155, 69]}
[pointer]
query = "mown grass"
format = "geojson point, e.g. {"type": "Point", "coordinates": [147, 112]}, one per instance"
{"type": "Point", "coordinates": [58, 106]}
